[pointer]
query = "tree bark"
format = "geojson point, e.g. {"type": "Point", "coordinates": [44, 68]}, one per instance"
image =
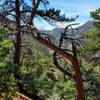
{"type": "Point", "coordinates": [72, 59]}
{"type": "Point", "coordinates": [17, 53]}
{"type": "Point", "coordinates": [78, 79]}
{"type": "Point", "coordinates": [34, 11]}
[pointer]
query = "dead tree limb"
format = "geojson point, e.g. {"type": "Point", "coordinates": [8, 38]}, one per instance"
{"type": "Point", "coordinates": [77, 75]}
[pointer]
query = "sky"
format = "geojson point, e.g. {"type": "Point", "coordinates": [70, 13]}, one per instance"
{"type": "Point", "coordinates": [71, 8]}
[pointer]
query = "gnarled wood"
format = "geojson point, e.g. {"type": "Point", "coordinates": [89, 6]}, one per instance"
{"type": "Point", "coordinates": [72, 59]}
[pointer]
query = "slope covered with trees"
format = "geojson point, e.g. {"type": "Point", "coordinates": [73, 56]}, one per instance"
{"type": "Point", "coordinates": [29, 68]}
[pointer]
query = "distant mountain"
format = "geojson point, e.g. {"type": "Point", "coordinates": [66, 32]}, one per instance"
{"type": "Point", "coordinates": [87, 27]}
{"type": "Point", "coordinates": [56, 33]}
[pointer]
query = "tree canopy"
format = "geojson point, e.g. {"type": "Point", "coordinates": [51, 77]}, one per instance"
{"type": "Point", "coordinates": [27, 67]}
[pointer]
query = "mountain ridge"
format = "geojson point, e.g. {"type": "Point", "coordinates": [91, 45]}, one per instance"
{"type": "Point", "coordinates": [56, 32]}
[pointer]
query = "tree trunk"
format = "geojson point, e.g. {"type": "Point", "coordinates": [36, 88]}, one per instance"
{"type": "Point", "coordinates": [78, 79]}
{"type": "Point", "coordinates": [17, 53]}
{"type": "Point", "coordinates": [72, 59]}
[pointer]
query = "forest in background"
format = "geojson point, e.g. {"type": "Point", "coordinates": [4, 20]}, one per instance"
{"type": "Point", "coordinates": [27, 67]}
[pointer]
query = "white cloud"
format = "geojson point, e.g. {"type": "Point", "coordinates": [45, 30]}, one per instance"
{"type": "Point", "coordinates": [71, 10]}
{"type": "Point", "coordinates": [62, 12]}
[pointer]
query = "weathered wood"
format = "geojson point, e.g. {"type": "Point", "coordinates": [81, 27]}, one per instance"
{"type": "Point", "coordinates": [72, 59]}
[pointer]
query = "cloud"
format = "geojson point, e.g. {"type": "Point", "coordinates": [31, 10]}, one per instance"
{"type": "Point", "coordinates": [62, 12]}
{"type": "Point", "coordinates": [71, 9]}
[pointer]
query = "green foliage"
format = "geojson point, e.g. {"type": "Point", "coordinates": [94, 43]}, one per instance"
{"type": "Point", "coordinates": [35, 69]}
{"type": "Point", "coordinates": [55, 15]}
{"type": "Point", "coordinates": [7, 80]}
{"type": "Point", "coordinates": [38, 74]}
{"type": "Point", "coordinates": [91, 60]}
{"type": "Point", "coordinates": [96, 16]}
